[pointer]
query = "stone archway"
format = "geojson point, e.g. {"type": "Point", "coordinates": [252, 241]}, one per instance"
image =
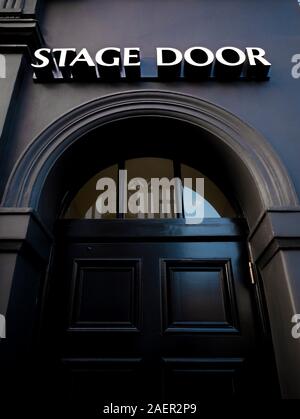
{"type": "Point", "coordinates": [252, 159]}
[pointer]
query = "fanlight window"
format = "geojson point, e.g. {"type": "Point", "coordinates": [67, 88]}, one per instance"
{"type": "Point", "coordinates": [87, 204]}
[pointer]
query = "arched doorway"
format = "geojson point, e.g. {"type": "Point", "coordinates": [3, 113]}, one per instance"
{"type": "Point", "coordinates": [147, 306]}
{"type": "Point", "coordinates": [244, 167]}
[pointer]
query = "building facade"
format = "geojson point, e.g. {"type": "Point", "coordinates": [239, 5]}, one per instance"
{"type": "Point", "coordinates": [151, 308]}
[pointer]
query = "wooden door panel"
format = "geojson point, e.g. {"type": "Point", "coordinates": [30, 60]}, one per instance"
{"type": "Point", "coordinates": [105, 295]}
{"type": "Point", "coordinates": [198, 296]}
{"type": "Point", "coordinates": [203, 378]}
{"type": "Point", "coordinates": [87, 380]}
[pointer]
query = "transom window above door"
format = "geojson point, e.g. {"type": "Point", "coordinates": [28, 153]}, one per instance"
{"type": "Point", "coordinates": [122, 178]}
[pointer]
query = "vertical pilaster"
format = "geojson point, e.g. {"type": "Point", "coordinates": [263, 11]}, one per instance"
{"type": "Point", "coordinates": [275, 245]}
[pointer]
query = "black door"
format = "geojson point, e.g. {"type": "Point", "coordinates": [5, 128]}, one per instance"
{"type": "Point", "coordinates": [153, 310]}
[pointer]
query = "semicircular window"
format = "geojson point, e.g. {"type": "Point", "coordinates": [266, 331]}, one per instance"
{"type": "Point", "coordinates": [150, 188]}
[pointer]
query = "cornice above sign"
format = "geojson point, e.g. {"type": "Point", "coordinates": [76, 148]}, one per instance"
{"type": "Point", "coordinates": [196, 63]}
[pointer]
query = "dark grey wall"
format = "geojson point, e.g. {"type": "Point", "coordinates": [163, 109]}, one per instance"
{"type": "Point", "coordinates": [271, 107]}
